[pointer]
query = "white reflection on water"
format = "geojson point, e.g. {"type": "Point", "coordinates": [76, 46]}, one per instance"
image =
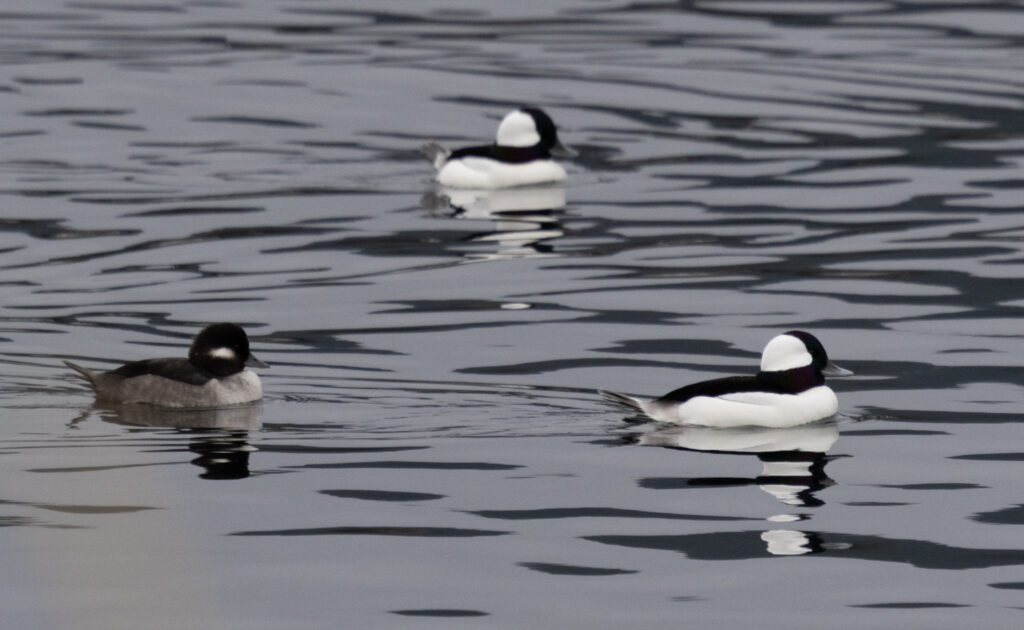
{"type": "Point", "coordinates": [523, 220]}
{"type": "Point", "coordinates": [793, 461]}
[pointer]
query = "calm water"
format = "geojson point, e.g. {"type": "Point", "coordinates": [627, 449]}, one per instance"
{"type": "Point", "coordinates": [430, 452]}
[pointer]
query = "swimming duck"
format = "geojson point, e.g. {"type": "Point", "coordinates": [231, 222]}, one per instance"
{"type": "Point", "coordinates": [788, 391]}
{"type": "Point", "coordinates": [213, 375]}
{"type": "Point", "coordinates": [521, 156]}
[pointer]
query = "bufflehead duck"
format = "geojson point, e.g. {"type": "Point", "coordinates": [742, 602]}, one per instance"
{"type": "Point", "coordinates": [788, 391]}
{"type": "Point", "coordinates": [213, 375]}
{"type": "Point", "coordinates": [521, 155]}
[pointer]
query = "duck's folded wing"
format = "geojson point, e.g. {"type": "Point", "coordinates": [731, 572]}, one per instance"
{"type": "Point", "coordinates": [175, 369]}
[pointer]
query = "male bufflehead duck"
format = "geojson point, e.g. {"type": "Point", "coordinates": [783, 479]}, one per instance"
{"type": "Point", "coordinates": [521, 156]}
{"type": "Point", "coordinates": [213, 375]}
{"type": "Point", "coordinates": [788, 391]}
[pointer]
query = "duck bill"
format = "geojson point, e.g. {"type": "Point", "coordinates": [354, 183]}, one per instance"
{"type": "Point", "coordinates": [834, 370]}
{"type": "Point", "coordinates": [253, 362]}
{"type": "Point", "coordinates": [562, 151]}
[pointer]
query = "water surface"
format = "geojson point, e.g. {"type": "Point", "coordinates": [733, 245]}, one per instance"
{"type": "Point", "coordinates": [431, 450]}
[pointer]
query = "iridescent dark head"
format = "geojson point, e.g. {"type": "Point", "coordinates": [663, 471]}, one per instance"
{"type": "Point", "coordinates": [222, 349]}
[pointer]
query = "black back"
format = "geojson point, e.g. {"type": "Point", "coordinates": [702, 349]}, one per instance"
{"type": "Point", "coordinates": [785, 382]}
{"type": "Point", "coordinates": [175, 369]}
{"type": "Point", "coordinates": [722, 386]}
{"type": "Point", "coordinates": [509, 155]}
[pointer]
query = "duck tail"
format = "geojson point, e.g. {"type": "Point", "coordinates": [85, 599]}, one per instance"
{"type": "Point", "coordinates": [622, 400]}
{"type": "Point", "coordinates": [85, 373]}
{"type": "Point", "coordinates": [436, 153]}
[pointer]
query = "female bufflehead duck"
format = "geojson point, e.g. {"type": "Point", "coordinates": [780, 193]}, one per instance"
{"type": "Point", "coordinates": [521, 156]}
{"type": "Point", "coordinates": [214, 374]}
{"type": "Point", "coordinates": [788, 391]}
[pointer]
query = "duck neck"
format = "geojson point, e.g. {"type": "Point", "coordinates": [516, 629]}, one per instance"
{"type": "Point", "coordinates": [793, 381]}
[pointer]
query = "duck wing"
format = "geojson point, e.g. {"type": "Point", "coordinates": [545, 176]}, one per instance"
{"type": "Point", "coordinates": [175, 369]}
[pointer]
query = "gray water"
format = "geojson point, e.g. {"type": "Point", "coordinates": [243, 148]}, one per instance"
{"type": "Point", "coordinates": [430, 451]}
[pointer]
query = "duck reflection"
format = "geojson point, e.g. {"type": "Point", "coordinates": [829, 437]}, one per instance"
{"type": "Point", "coordinates": [524, 219]}
{"type": "Point", "coordinates": [793, 459]}
{"type": "Point", "coordinates": [219, 437]}
{"type": "Point", "coordinates": [790, 542]}
{"type": "Point", "coordinates": [793, 469]}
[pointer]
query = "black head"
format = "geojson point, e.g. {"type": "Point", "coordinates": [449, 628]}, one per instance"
{"type": "Point", "coordinates": [817, 351]}
{"type": "Point", "coordinates": [819, 357]}
{"type": "Point", "coordinates": [223, 350]}
{"type": "Point", "coordinates": [545, 126]}
{"type": "Point", "coordinates": [547, 132]}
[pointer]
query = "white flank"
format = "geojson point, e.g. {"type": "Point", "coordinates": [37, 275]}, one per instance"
{"type": "Point", "coordinates": [754, 409]}
{"type": "Point", "coordinates": [478, 172]}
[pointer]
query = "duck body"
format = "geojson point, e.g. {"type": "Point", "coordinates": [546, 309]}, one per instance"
{"type": "Point", "coordinates": [498, 167]}
{"type": "Point", "coordinates": [744, 401]}
{"type": "Point", "coordinates": [213, 375]}
{"type": "Point", "coordinates": [522, 155]}
{"type": "Point", "coordinates": [789, 391]}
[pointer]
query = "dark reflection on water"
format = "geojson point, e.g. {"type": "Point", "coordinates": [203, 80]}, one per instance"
{"type": "Point", "coordinates": [415, 465]}
{"type": "Point", "coordinates": [993, 457]}
{"type": "Point", "coordinates": [223, 456]}
{"type": "Point", "coordinates": [595, 512]}
{"type": "Point", "coordinates": [382, 495]}
{"type": "Point", "coordinates": [946, 418]}
{"type": "Point", "coordinates": [933, 486]}
{"type": "Point", "coordinates": [218, 437]}
{"type": "Point", "coordinates": [383, 530]}
{"type": "Point", "coordinates": [751, 544]}
{"type": "Point", "coordinates": [440, 612]}
{"type": "Point", "coordinates": [563, 569]}
{"type": "Point", "coordinates": [82, 509]}
{"type": "Point", "coordinates": [305, 449]}
{"type": "Point", "coordinates": [911, 605]}
{"type": "Point", "coordinates": [1005, 516]}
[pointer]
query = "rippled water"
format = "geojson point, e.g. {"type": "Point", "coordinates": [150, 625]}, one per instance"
{"type": "Point", "coordinates": [431, 450]}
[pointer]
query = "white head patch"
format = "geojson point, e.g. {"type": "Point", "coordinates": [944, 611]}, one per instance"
{"type": "Point", "coordinates": [222, 353]}
{"type": "Point", "coordinates": [785, 352]}
{"type": "Point", "coordinates": [518, 130]}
